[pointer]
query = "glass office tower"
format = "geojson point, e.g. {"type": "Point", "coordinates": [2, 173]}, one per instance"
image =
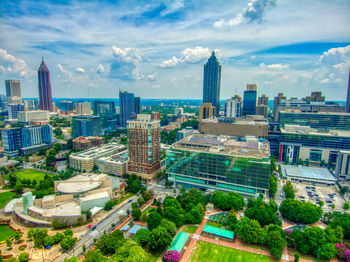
{"type": "Point", "coordinates": [212, 82]}
{"type": "Point", "coordinates": [209, 164]}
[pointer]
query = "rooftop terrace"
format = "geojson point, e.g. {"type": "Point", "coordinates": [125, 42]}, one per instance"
{"type": "Point", "coordinates": [247, 147]}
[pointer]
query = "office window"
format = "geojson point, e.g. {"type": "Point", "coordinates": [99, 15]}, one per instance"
{"type": "Point", "coordinates": [315, 155]}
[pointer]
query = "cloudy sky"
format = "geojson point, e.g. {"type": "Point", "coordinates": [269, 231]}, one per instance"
{"type": "Point", "coordinates": [157, 48]}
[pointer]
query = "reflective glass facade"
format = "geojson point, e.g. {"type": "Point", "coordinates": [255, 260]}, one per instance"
{"type": "Point", "coordinates": [249, 103]}
{"type": "Point", "coordinates": [316, 120]}
{"type": "Point", "coordinates": [244, 175]}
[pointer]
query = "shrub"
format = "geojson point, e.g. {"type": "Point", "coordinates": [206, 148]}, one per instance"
{"type": "Point", "coordinates": [172, 256]}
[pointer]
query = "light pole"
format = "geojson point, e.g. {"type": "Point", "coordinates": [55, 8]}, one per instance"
{"type": "Point", "coordinates": [318, 250]}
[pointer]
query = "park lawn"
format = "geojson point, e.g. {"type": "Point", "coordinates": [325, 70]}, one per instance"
{"type": "Point", "coordinates": [29, 174]}
{"type": "Point", "coordinates": [207, 252]}
{"type": "Point", "coordinates": [255, 246]}
{"type": "Point", "coordinates": [214, 224]}
{"type": "Point", "coordinates": [190, 229]}
{"type": "Point", "coordinates": [6, 197]}
{"type": "Point", "coordinates": [124, 197]}
{"type": "Point", "coordinates": [6, 232]}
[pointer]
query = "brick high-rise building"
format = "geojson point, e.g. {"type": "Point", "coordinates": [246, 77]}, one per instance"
{"type": "Point", "coordinates": [45, 93]}
{"type": "Point", "coordinates": [144, 146]}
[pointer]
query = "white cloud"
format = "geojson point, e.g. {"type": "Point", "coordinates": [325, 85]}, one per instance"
{"type": "Point", "coordinates": [324, 81]}
{"type": "Point", "coordinates": [191, 56]}
{"type": "Point", "coordinates": [152, 77]}
{"type": "Point", "coordinates": [254, 12]}
{"type": "Point", "coordinates": [80, 70]}
{"type": "Point", "coordinates": [170, 63]}
{"type": "Point", "coordinates": [100, 69]}
{"type": "Point", "coordinates": [67, 76]}
{"type": "Point", "coordinates": [12, 65]}
{"type": "Point", "coordinates": [274, 66]}
{"type": "Point", "coordinates": [125, 65]}
{"type": "Point", "coordinates": [172, 6]}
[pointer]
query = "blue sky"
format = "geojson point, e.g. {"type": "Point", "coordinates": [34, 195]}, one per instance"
{"type": "Point", "coordinates": [157, 48]}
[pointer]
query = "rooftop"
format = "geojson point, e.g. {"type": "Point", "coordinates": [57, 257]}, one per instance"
{"type": "Point", "coordinates": [179, 241]}
{"type": "Point", "coordinates": [218, 231]}
{"type": "Point", "coordinates": [298, 111]}
{"type": "Point", "coordinates": [95, 196]}
{"type": "Point", "coordinates": [226, 145]}
{"type": "Point", "coordinates": [97, 151]}
{"type": "Point", "coordinates": [80, 183]}
{"type": "Point", "coordinates": [315, 173]}
{"type": "Point", "coordinates": [253, 120]}
{"type": "Point", "coordinates": [120, 157]}
{"type": "Point", "coordinates": [307, 130]}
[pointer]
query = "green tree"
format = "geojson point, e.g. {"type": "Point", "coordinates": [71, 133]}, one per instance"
{"type": "Point", "coordinates": [153, 220]}
{"type": "Point", "coordinates": [265, 213]}
{"type": "Point", "coordinates": [94, 256]}
{"type": "Point", "coordinates": [30, 233]}
{"type": "Point", "coordinates": [346, 206]}
{"type": "Point", "coordinates": [136, 213]}
{"type": "Point", "coordinates": [48, 241]}
{"type": "Point", "coordinates": [338, 219]}
{"type": "Point", "coordinates": [68, 232]}
{"type": "Point", "coordinates": [69, 144]}
{"type": "Point", "coordinates": [249, 230]}
{"type": "Point", "coordinates": [288, 190]}
{"type": "Point", "coordinates": [300, 212]}
{"type": "Point", "coordinates": [159, 238]}
{"type": "Point", "coordinates": [169, 226]}
{"type": "Point", "coordinates": [142, 236]}
{"type": "Point", "coordinates": [50, 160]}
{"type": "Point", "coordinates": [228, 201]}
{"type": "Point", "coordinates": [129, 251]}
{"type": "Point", "coordinates": [8, 243]}
{"type": "Point", "coordinates": [273, 185]}
{"type": "Point", "coordinates": [23, 257]}
{"type": "Point", "coordinates": [72, 259]}
{"type": "Point", "coordinates": [296, 256]}
{"type": "Point", "coordinates": [57, 147]}
{"type": "Point", "coordinates": [39, 236]}
{"type": "Point", "coordinates": [327, 251]}
{"type": "Point", "coordinates": [58, 237]}
{"type": "Point", "coordinates": [194, 216]}
{"type": "Point", "coordinates": [68, 242]}
{"type": "Point", "coordinates": [276, 240]}
{"type": "Point", "coordinates": [230, 220]}
{"type": "Point", "coordinates": [109, 243]}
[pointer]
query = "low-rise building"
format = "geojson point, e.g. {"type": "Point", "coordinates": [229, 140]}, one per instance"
{"type": "Point", "coordinates": [230, 127]}
{"type": "Point", "coordinates": [309, 175]}
{"type": "Point", "coordinates": [36, 115]}
{"type": "Point", "coordinates": [317, 146]}
{"type": "Point", "coordinates": [188, 131]}
{"type": "Point", "coordinates": [221, 163]}
{"type": "Point", "coordinates": [116, 165]}
{"type": "Point", "coordinates": [342, 168]}
{"type": "Point", "coordinates": [86, 160]}
{"type": "Point", "coordinates": [83, 143]}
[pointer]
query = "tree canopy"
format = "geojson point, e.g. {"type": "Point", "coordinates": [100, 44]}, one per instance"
{"type": "Point", "coordinates": [265, 213]}
{"type": "Point", "coordinates": [288, 190]}
{"type": "Point", "coordinates": [300, 212]}
{"type": "Point", "coordinates": [228, 201]}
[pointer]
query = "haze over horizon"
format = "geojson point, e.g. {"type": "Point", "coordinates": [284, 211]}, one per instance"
{"type": "Point", "coordinates": [157, 49]}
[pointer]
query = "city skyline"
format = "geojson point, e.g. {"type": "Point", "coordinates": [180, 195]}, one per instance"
{"type": "Point", "coordinates": [278, 45]}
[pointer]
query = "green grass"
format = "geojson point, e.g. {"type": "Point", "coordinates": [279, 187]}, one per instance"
{"type": "Point", "coordinates": [144, 214]}
{"type": "Point", "coordinates": [29, 174]}
{"type": "Point", "coordinates": [214, 224]}
{"type": "Point", "coordinates": [126, 196]}
{"type": "Point", "coordinates": [257, 247]}
{"type": "Point", "coordinates": [207, 252]}
{"type": "Point", "coordinates": [5, 198]}
{"type": "Point", "coordinates": [154, 256]}
{"type": "Point", "coordinates": [6, 232]}
{"type": "Point", "coordinates": [189, 229]}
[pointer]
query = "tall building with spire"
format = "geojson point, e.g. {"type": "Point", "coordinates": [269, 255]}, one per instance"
{"type": "Point", "coordinates": [211, 82]}
{"type": "Point", "coordinates": [45, 93]}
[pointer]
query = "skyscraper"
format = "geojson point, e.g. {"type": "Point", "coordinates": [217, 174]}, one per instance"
{"type": "Point", "coordinates": [206, 111]}
{"type": "Point", "coordinates": [211, 82]}
{"type": "Point", "coordinates": [348, 98]}
{"type": "Point", "coordinates": [106, 111]}
{"type": "Point", "coordinates": [249, 100]}
{"type": "Point", "coordinates": [129, 106]}
{"type": "Point", "coordinates": [13, 91]}
{"type": "Point", "coordinates": [233, 107]}
{"type": "Point", "coordinates": [144, 146]}
{"type": "Point", "coordinates": [86, 125]}
{"type": "Point", "coordinates": [45, 94]}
